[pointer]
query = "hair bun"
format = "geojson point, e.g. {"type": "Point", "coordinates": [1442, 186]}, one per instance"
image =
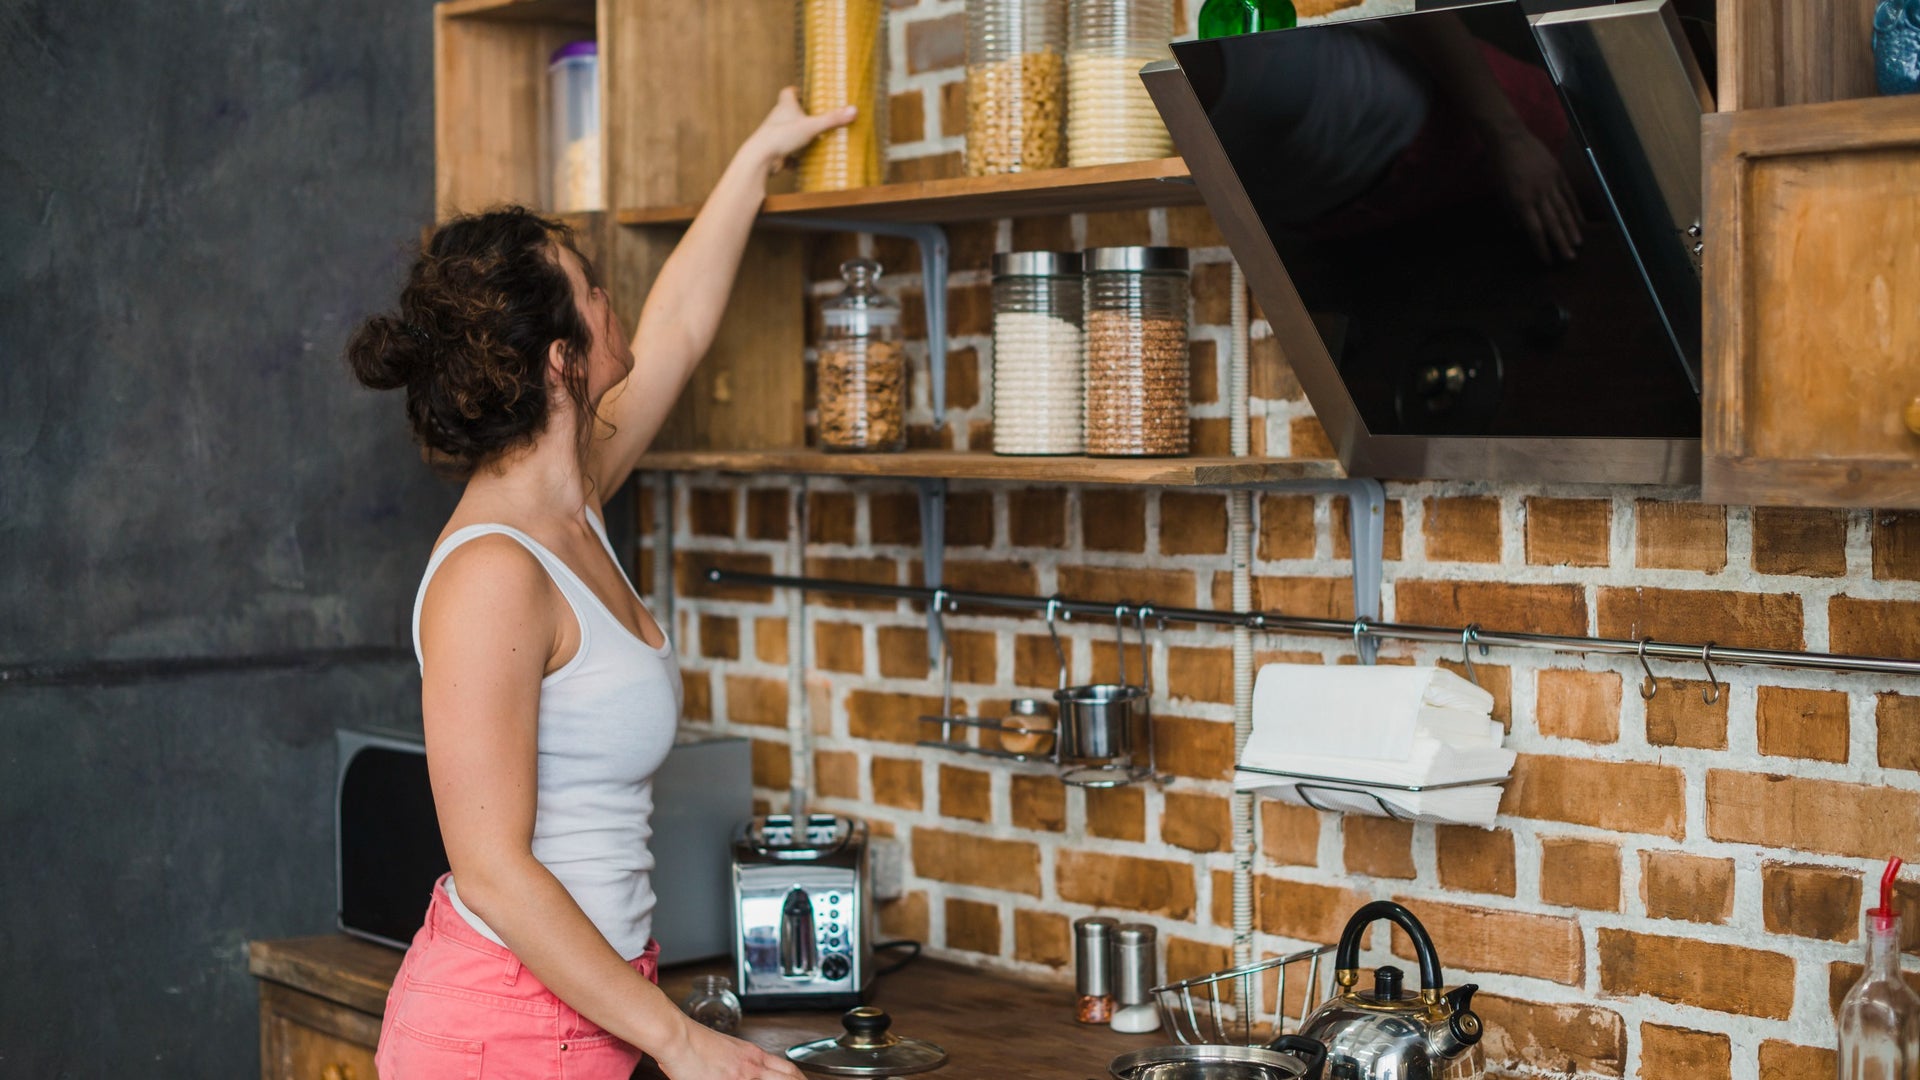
{"type": "Point", "coordinates": [386, 353]}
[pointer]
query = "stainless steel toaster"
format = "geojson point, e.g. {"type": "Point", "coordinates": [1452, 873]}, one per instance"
{"type": "Point", "coordinates": [802, 913]}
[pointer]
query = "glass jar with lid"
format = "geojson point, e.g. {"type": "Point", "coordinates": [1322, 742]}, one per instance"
{"type": "Point", "coordinates": [1038, 367]}
{"type": "Point", "coordinates": [713, 1003]}
{"type": "Point", "coordinates": [573, 128]}
{"type": "Point", "coordinates": [1137, 352]}
{"type": "Point", "coordinates": [843, 61]}
{"type": "Point", "coordinates": [863, 368]}
{"type": "Point", "coordinates": [1110, 116]}
{"type": "Point", "coordinates": [1016, 85]}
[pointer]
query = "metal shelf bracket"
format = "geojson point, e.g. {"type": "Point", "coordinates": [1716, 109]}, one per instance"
{"type": "Point", "coordinates": [1366, 535]}
{"type": "Point", "coordinates": [933, 555]}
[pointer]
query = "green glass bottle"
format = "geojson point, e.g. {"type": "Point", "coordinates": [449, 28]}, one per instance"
{"type": "Point", "coordinates": [1224, 18]}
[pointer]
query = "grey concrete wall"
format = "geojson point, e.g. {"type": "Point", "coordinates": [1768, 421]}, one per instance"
{"type": "Point", "coordinates": [198, 199]}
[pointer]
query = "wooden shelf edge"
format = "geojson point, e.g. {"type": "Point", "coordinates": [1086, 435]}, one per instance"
{"type": "Point", "coordinates": [563, 11]}
{"type": "Point", "coordinates": [1132, 185]}
{"type": "Point", "coordinates": [980, 465]}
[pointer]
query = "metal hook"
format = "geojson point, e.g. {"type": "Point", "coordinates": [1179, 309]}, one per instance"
{"type": "Point", "coordinates": [1467, 638]}
{"type": "Point", "coordinates": [1140, 616]}
{"type": "Point", "coordinates": [1120, 638]}
{"type": "Point", "coordinates": [1649, 687]}
{"type": "Point", "coordinates": [1710, 696]}
{"type": "Point", "coordinates": [1053, 631]}
{"type": "Point", "coordinates": [1359, 631]}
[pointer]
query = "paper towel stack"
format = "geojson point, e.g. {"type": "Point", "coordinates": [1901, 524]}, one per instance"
{"type": "Point", "coordinates": [1354, 737]}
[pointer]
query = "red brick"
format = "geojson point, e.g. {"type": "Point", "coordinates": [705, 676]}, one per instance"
{"type": "Point", "coordinates": [1898, 718]}
{"type": "Point", "coordinates": [772, 764]}
{"type": "Point", "coordinates": [1307, 439]}
{"type": "Point", "coordinates": [1568, 532]}
{"type": "Point", "coordinates": [1580, 873]}
{"type": "Point", "coordinates": [1680, 535]}
{"type": "Point", "coordinates": [1689, 887]}
{"type": "Point", "coordinates": [1581, 705]}
{"type": "Point", "coordinates": [907, 117]}
{"type": "Point", "coordinates": [1509, 942]}
{"type": "Point", "coordinates": [1203, 372]}
{"type": "Point", "coordinates": [1193, 523]}
{"type": "Point", "coordinates": [1152, 886]}
{"type": "Point", "coordinates": [830, 517]}
{"type": "Point", "coordinates": [1843, 974]}
{"type": "Point", "coordinates": [1495, 679]}
{"type": "Point", "coordinates": [1298, 910]}
{"type": "Point", "coordinates": [1212, 291]}
{"type": "Point", "coordinates": [770, 640]}
{"type": "Point", "coordinates": [1113, 585]}
{"type": "Point", "coordinates": [1117, 813]}
{"type": "Point", "coordinates": [1381, 847]}
{"type": "Point", "coordinates": [1393, 529]}
{"type": "Point", "coordinates": [1539, 609]}
{"type": "Point", "coordinates": [966, 793]}
{"type": "Point", "coordinates": [898, 782]}
{"type": "Point", "coordinates": [711, 511]}
{"type": "Point", "coordinates": [893, 518]}
{"type": "Point", "coordinates": [1864, 821]}
{"type": "Point", "coordinates": [1300, 597]}
{"type": "Point", "coordinates": [907, 918]}
{"type": "Point", "coordinates": [1786, 1061]}
{"type": "Point", "coordinates": [1120, 228]}
{"type": "Point", "coordinates": [1196, 821]}
{"type": "Point", "coordinates": [1474, 860]}
{"type": "Point", "coordinates": [889, 717]}
{"type": "Point", "coordinates": [903, 654]}
{"type": "Point", "coordinates": [969, 519]}
{"type": "Point", "coordinates": [1289, 834]}
{"type": "Point", "coordinates": [1678, 714]}
{"type": "Point", "coordinates": [1113, 519]}
{"type": "Point", "coordinates": [1803, 723]}
{"type": "Point", "coordinates": [1199, 674]}
{"type": "Point", "coordinates": [1286, 527]}
{"type": "Point", "coordinates": [873, 570]}
{"type": "Point", "coordinates": [1192, 227]}
{"type": "Point", "coordinates": [1896, 545]}
{"type": "Point", "coordinates": [953, 109]}
{"type": "Point", "coordinates": [1035, 664]}
{"type": "Point", "coordinates": [719, 637]}
{"type": "Point", "coordinates": [1052, 233]}
{"type": "Point", "coordinates": [1619, 796]}
{"type": "Point", "coordinates": [1703, 974]}
{"type": "Point", "coordinates": [1799, 541]}
{"type": "Point", "coordinates": [1014, 576]}
{"type": "Point", "coordinates": [836, 774]}
{"type": "Point", "coordinates": [1269, 376]}
{"type": "Point", "coordinates": [1189, 959]}
{"type": "Point", "coordinates": [690, 576]}
{"type": "Point", "coordinates": [1561, 1040]}
{"type": "Point", "coordinates": [839, 647]}
{"type": "Point", "coordinates": [1873, 627]}
{"type": "Point", "coordinates": [1042, 937]}
{"type": "Point", "coordinates": [934, 44]}
{"type": "Point", "coordinates": [696, 688]}
{"type": "Point", "coordinates": [1752, 620]}
{"type": "Point", "coordinates": [973, 926]}
{"type": "Point", "coordinates": [1039, 802]}
{"type": "Point", "coordinates": [964, 859]}
{"type": "Point", "coordinates": [1810, 901]}
{"type": "Point", "coordinates": [1464, 529]}
{"type": "Point", "coordinates": [1677, 1052]}
{"type": "Point", "coordinates": [1037, 517]}
{"type": "Point", "coordinates": [757, 701]}
{"type": "Point", "coordinates": [1201, 749]}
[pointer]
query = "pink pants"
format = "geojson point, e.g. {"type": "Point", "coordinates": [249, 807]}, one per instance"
{"type": "Point", "coordinates": [462, 1008]}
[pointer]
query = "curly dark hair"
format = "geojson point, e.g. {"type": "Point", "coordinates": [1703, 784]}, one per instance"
{"type": "Point", "coordinates": [483, 302]}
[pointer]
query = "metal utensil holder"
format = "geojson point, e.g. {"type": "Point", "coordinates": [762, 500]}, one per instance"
{"type": "Point", "coordinates": [1196, 1012]}
{"type": "Point", "coordinates": [1306, 783]}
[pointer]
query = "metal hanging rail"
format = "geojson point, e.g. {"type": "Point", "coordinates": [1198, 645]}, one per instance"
{"type": "Point", "coordinates": [1706, 653]}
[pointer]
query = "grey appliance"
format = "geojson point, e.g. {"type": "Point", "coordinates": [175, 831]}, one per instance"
{"type": "Point", "coordinates": [803, 912]}
{"type": "Point", "coordinates": [388, 851]}
{"type": "Point", "coordinates": [1401, 193]}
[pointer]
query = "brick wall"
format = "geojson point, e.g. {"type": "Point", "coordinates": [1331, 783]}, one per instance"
{"type": "Point", "coordinates": [1673, 888]}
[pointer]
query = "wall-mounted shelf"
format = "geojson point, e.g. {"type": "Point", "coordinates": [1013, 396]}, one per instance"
{"type": "Point", "coordinates": [978, 465]}
{"type": "Point", "coordinates": [580, 12]}
{"type": "Point", "coordinates": [1131, 186]}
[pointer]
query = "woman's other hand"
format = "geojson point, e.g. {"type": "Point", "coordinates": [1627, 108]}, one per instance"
{"type": "Point", "coordinates": [788, 129]}
{"type": "Point", "coordinates": [1541, 196]}
{"type": "Point", "coordinates": [702, 1054]}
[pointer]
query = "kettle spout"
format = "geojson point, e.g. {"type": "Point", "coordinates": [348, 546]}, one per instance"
{"type": "Point", "coordinates": [1461, 1030]}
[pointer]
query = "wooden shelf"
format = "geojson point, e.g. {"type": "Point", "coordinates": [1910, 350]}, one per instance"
{"type": "Point", "coordinates": [578, 12]}
{"type": "Point", "coordinates": [1131, 186]}
{"type": "Point", "coordinates": [977, 465]}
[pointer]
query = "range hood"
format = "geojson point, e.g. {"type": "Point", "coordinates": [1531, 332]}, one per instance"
{"type": "Point", "coordinates": [1387, 186]}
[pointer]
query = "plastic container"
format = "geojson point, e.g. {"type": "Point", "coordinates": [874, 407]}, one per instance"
{"type": "Point", "coordinates": [713, 1003]}
{"type": "Point", "coordinates": [573, 128]}
{"type": "Point", "coordinates": [1110, 117]}
{"type": "Point", "coordinates": [1016, 85]}
{"type": "Point", "coordinates": [1137, 352]}
{"type": "Point", "coordinates": [863, 369]}
{"type": "Point", "coordinates": [1879, 1019]}
{"type": "Point", "coordinates": [843, 61]}
{"type": "Point", "coordinates": [1039, 367]}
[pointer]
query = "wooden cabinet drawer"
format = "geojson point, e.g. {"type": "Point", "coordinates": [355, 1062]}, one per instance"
{"type": "Point", "coordinates": [303, 1037]}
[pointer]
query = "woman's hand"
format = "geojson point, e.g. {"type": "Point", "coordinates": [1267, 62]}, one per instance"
{"type": "Point", "coordinates": [1540, 194]}
{"type": "Point", "coordinates": [701, 1054]}
{"type": "Point", "coordinates": [788, 129]}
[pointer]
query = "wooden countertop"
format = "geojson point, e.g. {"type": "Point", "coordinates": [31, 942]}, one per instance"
{"type": "Point", "coordinates": [990, 1026]}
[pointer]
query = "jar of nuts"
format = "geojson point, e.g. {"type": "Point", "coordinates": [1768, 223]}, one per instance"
{"type": "Point", "coordinates": [1137, 364]}
{"type": "Point", "coordinates": [863, 371]}
{"type": "Point", "coordinates": [1016, 85]}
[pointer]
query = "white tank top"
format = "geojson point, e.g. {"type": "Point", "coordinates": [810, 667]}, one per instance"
{"type": "Point", "coordinates": [607, 720]}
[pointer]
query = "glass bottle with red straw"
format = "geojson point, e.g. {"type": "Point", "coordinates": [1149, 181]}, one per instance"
{"type": "Point", "coordinates": [1880, 1016]}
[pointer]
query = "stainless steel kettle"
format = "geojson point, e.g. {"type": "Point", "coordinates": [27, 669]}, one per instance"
{"type": "Point", "coordinates": [1387, 1033]}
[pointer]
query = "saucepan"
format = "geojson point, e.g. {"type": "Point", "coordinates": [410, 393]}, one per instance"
{"type": "Point", "coordinates": [1104, 727]}
{"type": "Point", "coordinates": [1289, 1057]}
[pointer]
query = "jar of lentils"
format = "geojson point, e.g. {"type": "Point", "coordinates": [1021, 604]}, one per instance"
{"type": "Point", "coordinates": [1039, 375]}
{"type": "Point", "coordinates": [1016, 85]}
{"type": "Point", "coordinates": [1110, 116]}
{"type": "Point", "coordinates": [863, 370]}
{"type": "Point", "coordinates": [1137, 358]}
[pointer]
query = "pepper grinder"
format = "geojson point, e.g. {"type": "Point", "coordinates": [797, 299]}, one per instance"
{"type": "Point", "coordinates": [1093, 968]}
{"type": "Point", "coordinates": [1134, 965]}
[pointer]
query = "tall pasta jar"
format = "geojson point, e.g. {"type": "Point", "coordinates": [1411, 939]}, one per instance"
{"type": "Point", "coordinates": [863, 370]}
{"type": "Point", "coordinates": [1137, 359]}
{"type": "Point", "coordinates": [1039, 376]}
{"type": "Point", "coordinates": [843, 61]}
{"type": "Point", "coordinates": [1110, 117]}
{"type": "Point", "coordinates": [1016, 85]}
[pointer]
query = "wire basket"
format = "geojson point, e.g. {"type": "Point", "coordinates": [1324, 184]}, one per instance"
{"type": "Point", "coordinates": [1222, 1009]}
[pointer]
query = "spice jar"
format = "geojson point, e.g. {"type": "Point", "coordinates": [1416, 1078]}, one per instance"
{"type": "Point", "coordinates": [1016, 85]}
{"type": "Point", "coordinates": [573, 128]}
{"type": "Point", "coordinates": [1093, 968]}
{"type": "Point", "coordinates": [1039, 375]}
{"type": "Point", "coordinates": [713, 1003]}
{"type": "Point", "coordinates": [863, 370]}
{"type": "Point", "coordinates": [1137, 365]}
{"type": "Point", "coordinates": [1110, 116]}
{"type": "Point", "coordinates": [843, 61]}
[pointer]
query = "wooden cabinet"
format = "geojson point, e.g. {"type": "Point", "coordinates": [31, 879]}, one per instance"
{"type": "Point", "coordinates": [321, 1000]}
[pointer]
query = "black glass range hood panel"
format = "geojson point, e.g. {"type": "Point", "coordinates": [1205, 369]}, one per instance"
{"type": "Point", "coordinates": [1357, 164]}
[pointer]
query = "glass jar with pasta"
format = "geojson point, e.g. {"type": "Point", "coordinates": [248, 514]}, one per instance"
{"type": "Point", "coordinates": [843, 61]}
{"type": "Point", "coordinates": [1016, 85]}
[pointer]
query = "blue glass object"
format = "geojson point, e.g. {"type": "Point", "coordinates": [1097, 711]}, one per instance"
{"type": "Point", "coordinates": [1896, 46]}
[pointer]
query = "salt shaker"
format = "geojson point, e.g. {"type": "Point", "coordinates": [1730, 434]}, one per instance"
{"type": "Point", "coordinates": [1093, 967]}
{"type": "Point", "coordinates": [1135, 961]}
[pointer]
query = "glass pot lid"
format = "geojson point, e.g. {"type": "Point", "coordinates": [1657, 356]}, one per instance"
{"type": "Point", "coordinates": [868, 1049]}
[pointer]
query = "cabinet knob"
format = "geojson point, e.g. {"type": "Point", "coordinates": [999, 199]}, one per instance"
{"type": "Point", "coordinates": [337, 1072]}
{"type": "Point", "coordinates": [1911, 415]}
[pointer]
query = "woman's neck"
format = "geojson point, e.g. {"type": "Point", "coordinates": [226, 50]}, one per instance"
{"type": "Point", "coordinates": [544, 480]}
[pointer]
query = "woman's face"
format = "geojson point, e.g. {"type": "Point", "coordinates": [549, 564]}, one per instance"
{"type": "Point", "coordinates": [611, 357]}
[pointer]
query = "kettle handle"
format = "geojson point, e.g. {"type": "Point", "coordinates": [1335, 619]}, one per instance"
{"type": "Point", "coordinates": [1311, 1052]}
{"type": "Point", "coordinates": [1347, 958]}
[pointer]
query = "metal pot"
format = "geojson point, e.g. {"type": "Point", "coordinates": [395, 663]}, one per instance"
{"type": "Point", "coordinates": [1390, 1034]}
{"type": "Point", "coordinates": [1105, 729]}
{"type": "Point", "coordinates": [1289, 1057]}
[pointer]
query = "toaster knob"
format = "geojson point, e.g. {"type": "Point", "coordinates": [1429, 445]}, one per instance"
{"type": "Point", "coordinates": [835, 966]}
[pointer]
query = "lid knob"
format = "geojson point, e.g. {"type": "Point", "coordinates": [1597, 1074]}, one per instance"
{"type": "Point", "coordinates": [1386, 983]}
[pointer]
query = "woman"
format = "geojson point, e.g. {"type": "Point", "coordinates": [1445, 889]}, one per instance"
{"type": "Point", "coordinates": [549, 693]}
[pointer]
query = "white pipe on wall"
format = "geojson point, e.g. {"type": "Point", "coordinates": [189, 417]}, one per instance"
{"type": "Point", "coordinates": [799, 731]}
{"type": "Point", "coordinates": [1240, 555]}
